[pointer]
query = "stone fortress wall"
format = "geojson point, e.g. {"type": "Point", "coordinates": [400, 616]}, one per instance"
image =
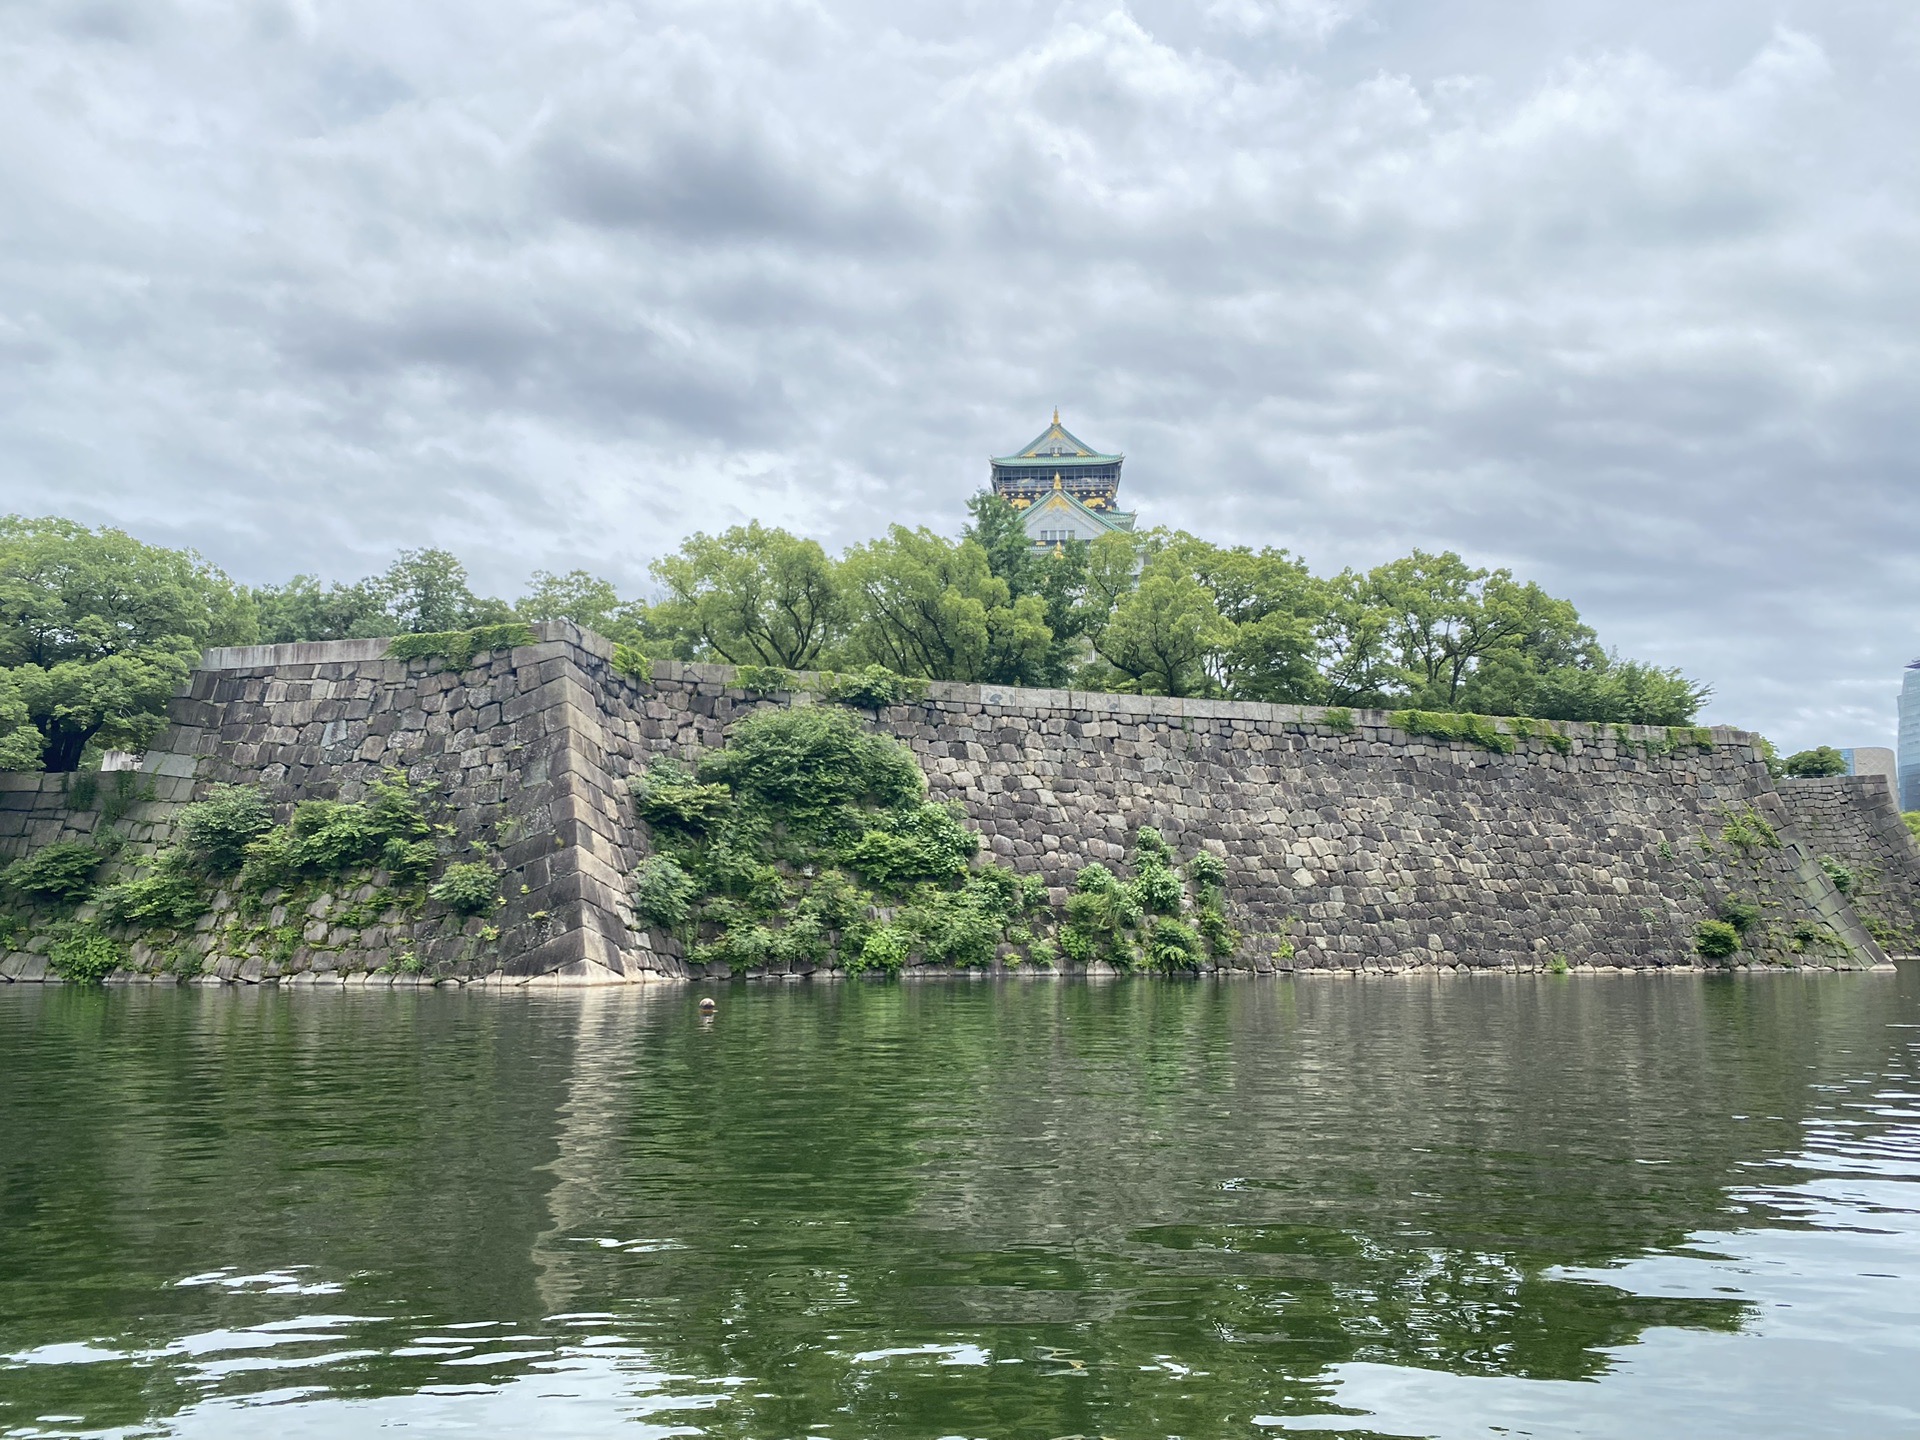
{"type": "Point", "coordinates": [1855, 819]}
{"type": "Point", "coordinates": [1354, 847]}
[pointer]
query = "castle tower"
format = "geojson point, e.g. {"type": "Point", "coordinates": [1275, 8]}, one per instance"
{"type": "Point", "coordinates": [1064, 489]}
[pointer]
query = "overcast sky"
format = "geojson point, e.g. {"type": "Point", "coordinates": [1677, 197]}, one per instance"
{"type": "Point", "coordinates": [1622, 295]}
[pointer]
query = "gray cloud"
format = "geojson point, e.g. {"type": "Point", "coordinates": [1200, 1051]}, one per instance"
{"type": "Point", "coordinates": [1621, 295]}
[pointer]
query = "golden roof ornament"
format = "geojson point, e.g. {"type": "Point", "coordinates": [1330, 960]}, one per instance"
{"type": "Point", "coordinates": [1056, 479]}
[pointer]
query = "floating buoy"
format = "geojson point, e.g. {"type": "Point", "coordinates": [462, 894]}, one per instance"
{"type": "Point", "coordinates": [707, 1007]}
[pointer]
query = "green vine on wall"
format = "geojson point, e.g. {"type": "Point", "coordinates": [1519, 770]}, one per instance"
{"type": "Point", "coordinates": [458, 647]}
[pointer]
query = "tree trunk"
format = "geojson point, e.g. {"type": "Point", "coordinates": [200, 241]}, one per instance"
{"type": "Point", "coordinates": [64, 747]}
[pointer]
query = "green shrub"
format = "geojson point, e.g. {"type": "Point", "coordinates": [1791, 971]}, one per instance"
{"type": "Point", "coordinates": [763, 679]}
{"type": "Point", "coordinates": [1716, 939]}
{"type": "Point", "coordinates": [1911, 818]}
{"type": "Point", "coordinates": [408, 862]}
{"type": "Point", "coordinates": [632, 663]}
{"type": "Point", "coordinates": [1741, 914]}
{"type": "Point", "coordinates": [1840, 874]}
{"type": "Point", "coordinates": [330, 838]}
{"type": "Point", "coordinates": [1157, 889]}
{"type": "Point", "coordinates": [812, 766]}
{"type": "Point", "coordinates": [667, 795]}
{"type": "Point", "coordinates": [1172, 945]}
{"type": "Point", "coordinates": [928, 842]}
{"type": "Point", "coordinates": [167, 896]}
{"type": "Point", "coordinates": [61, 873]}
{"type": "Point", "coordinates": [961, 929]}
{"type": "Point", "coordinates": [1220, 934]}
{"type": "Point", "coordinates": [85, 955]}
{"type": "Point", "coordinates": [1814, 764]}
{"type": "Point", "coordinates": [1339, 720]}
{"type": "Point", "coordinates": [467, 889]}
{"type": "Point", "coordinates": [1207, 870]}
{"type": "Point", "coordinates": [872, 688]}
{"type": "Point", "coordinates": [458, 647]}
{"type": "Point", "coordinates": [216, 831]}
{"type": "Point", "coordinates": [663, 892]}
{"type": "Point", "coordinates": [1745, 830]}
{"type": "Point", "coordinates": [886, 949]}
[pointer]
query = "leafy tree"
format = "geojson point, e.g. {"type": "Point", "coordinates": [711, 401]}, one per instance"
{"type": "Point", "coordinates": [588, 601]}
{"type": "Point", "coordinates": [97, 631]}
{"type": "Point", "coordinates": [422, 592]}
{"type": "Point", "coordinates": [1275, 607]}
{"type": "Point", "coordinates": [1058, 577]}
{"type": "Point", "coordinates": [929, 607]}
{"type": "Point", "coordinates": [1813, 764]}
{"type": "Point", "coordinates": [1163, 634]}
{"type": "Point", "coordinates": [426, 591]}
{"type": "Point", "coordinates": [752, 596]}
{"type": "Point", "coordinates": [1612, 689]}
{"type": "Point", "coordinates": [1356, 646]}
{"type": "Point", "coordinates": [1447, 620]}
{"type": "Point", "coordinates": [304, 609]}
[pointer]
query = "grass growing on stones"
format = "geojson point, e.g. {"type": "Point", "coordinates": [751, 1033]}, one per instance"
{"type": "Point", "coordinates": [458, 647]}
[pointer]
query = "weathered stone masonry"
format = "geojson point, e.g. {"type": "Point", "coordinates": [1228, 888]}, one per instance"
{"type": "Point", "coordinates": [1364, 850]}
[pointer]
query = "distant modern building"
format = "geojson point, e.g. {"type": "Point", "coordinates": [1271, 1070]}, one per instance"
{"type": "Point", "coordinates": [1873, 760]}
{"type": "Point", "coordinates": [1063, 487]}
{"type": "Point", "coordinates": [1910, 739]}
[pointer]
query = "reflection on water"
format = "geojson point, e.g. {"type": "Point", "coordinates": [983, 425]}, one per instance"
{"type": "Point", "coordinates": [1431, 1206]}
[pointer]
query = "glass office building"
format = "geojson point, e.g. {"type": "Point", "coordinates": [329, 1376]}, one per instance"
{"type": "Point", "coordinates": [1910, 739]}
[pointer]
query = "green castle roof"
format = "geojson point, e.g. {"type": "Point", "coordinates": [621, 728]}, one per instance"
{"type": "Point", "coordinates": [1053, 445]}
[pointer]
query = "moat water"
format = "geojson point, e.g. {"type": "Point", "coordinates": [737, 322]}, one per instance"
{"type": "Point", "coordinates": [1439, 1206]}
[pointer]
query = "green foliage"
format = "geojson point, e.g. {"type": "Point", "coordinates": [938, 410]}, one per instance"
{"type": "Point", "coordinates": [167, 895]}
{"type": "Point", "coordinates": [97, 631]}
{"type": "Point", "coordinates": [752, 596]}
{"type": "Point", "coordinates": [873, 687]}
{"type": "Point", "coordinates": [668, 795]}
{"type": "Point", "coordinates": [1741, 914]}
{"type": "Point", "coordinates": [763, 679]}
{"type": "Point", "coordinates": [803, 809]}
{"type": "Point", "coordinates": [1745, 830]}
{"type": "Point", "coordinates": [885, 949]}
{"type": "Point", "coordinates": [632, 663]}
{"type": "Point", "coordinates": [422, 592]}
{"type": "Point", "coordinates": [1469, 729]}
{"type": "Point", "coordinates": [1840, 874]}
{"type": "Point", "coordinates": [1207, 870]}
{"type": "Point", "coordinates": [85, 955]}
{"type": "Point", "coordinates": [61, 873]}
{"type": "Point", "coordinates": [458, 647]}
{"type": "Point", "coordinates": [1057, 578]}
{"type": "Point", "coordinates": [1816, 763]}
{"type": "Point", "coordinates": [925, 842]}
{"type": "Point", "coordinates": [327, 839]}
{"type": "Point", "coordinates": [1173, 945]}
{"type": "Point", "coordinates": [1715, 939]}
{"type": "Point", "coordinates": [1338, 719]}
{"type": "Point", "coordinates": [408, 862]}
{"type": "Point", "coordinates": [471, 888]}
{"type": "Point", "coordinates": [585, 599]}
{"type": "Point", "coordinates": [216, 831]}
{"type": "Point", "coordinates": [663, 892]}
{"type": "Point", "coordinates": [813, 768]}
{"type": "Point", "coordinates": [932, 608]}
{"type": "Point", "coordinates": [1911, 819]}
